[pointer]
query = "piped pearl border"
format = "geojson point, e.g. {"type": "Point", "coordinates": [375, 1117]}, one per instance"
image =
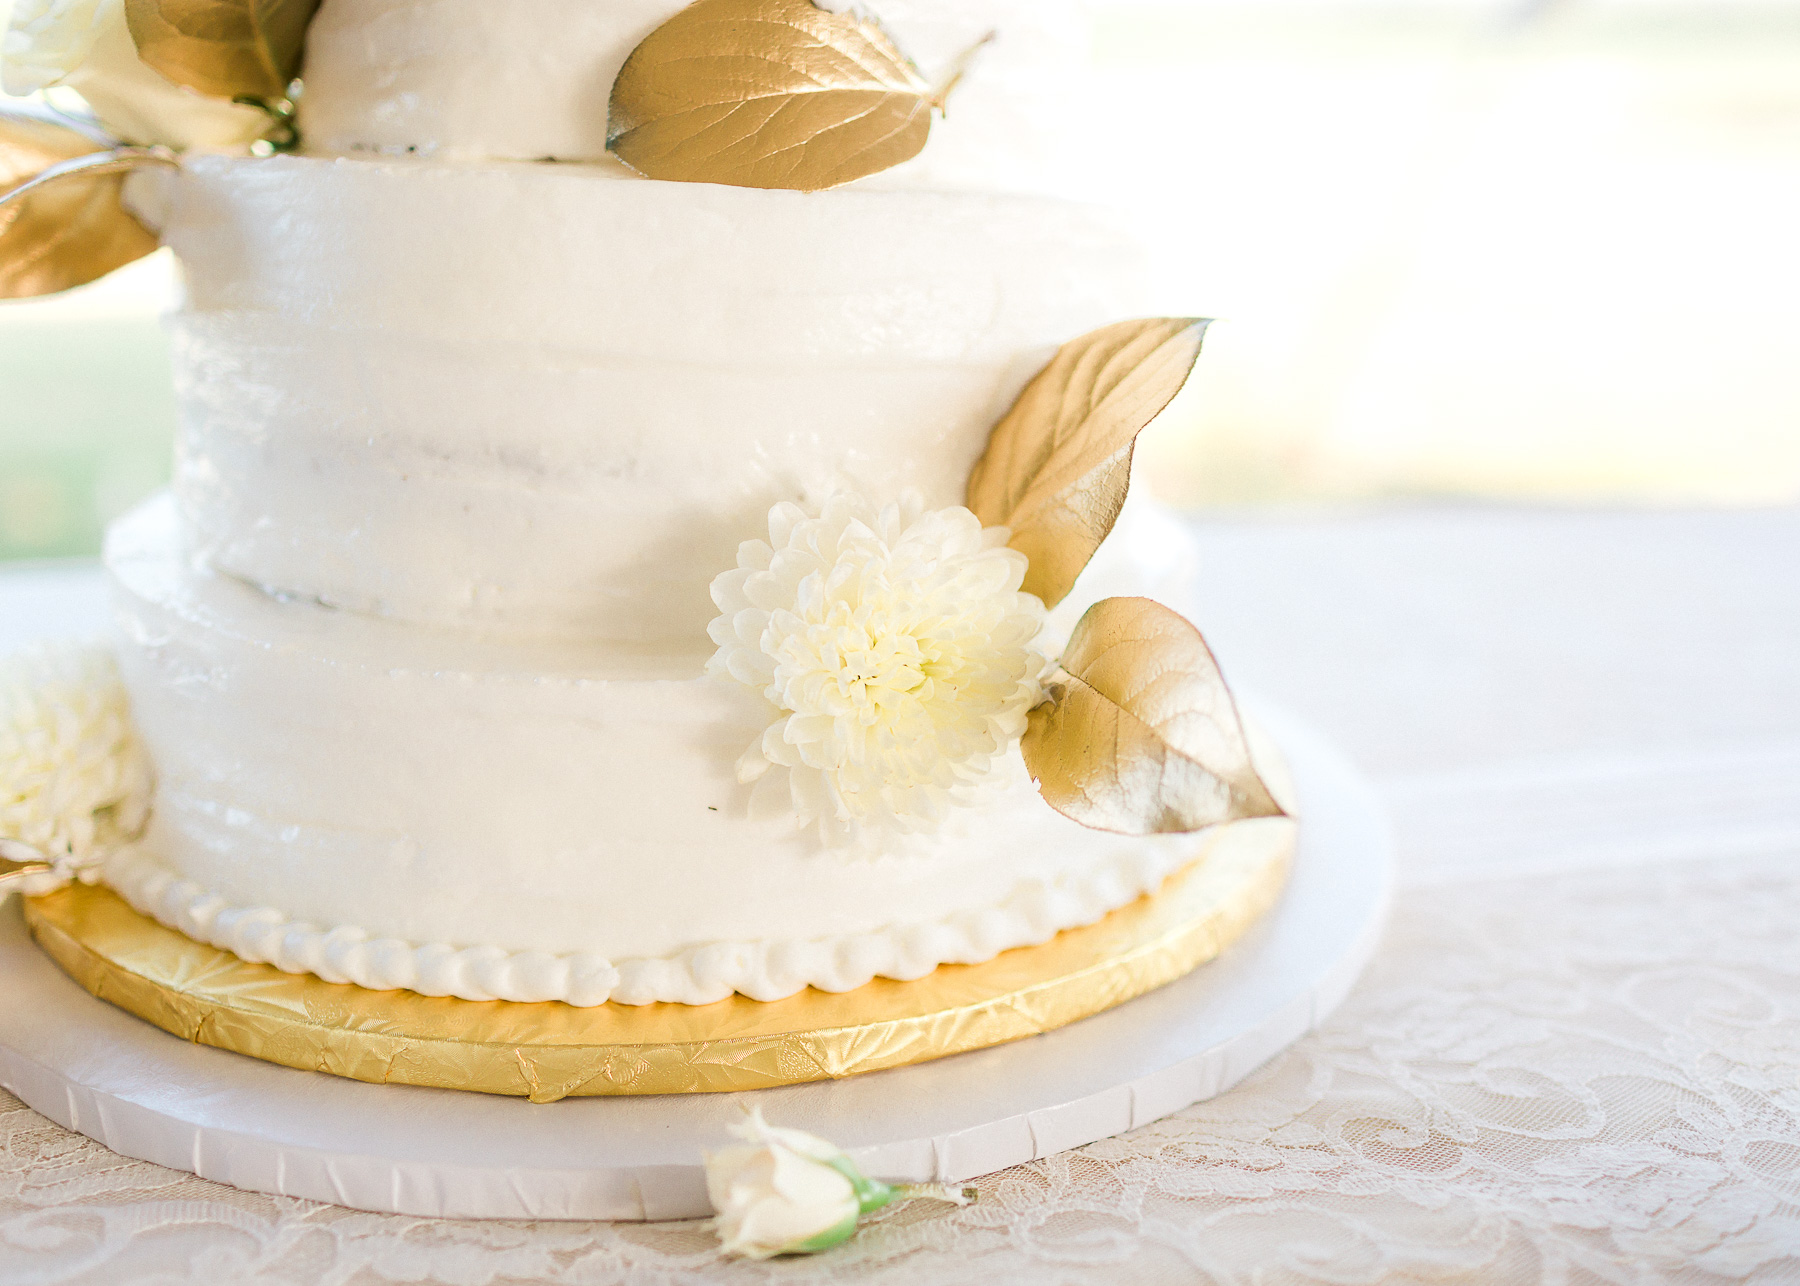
{"type": "Point", "coordinates": [1034, 912]}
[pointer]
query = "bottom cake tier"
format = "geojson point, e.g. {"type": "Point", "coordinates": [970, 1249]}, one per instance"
{"type": "Point", "coordinates": [400, 807]}
{"type": "Point", "coordinates": [550, 1051]}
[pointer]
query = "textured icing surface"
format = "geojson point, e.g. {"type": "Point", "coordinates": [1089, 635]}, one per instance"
{"type": "Point", "coordinates": [535, 800]}
{"type": "Point", "coordinates": [568, 432]}
{"type": "Point", "coordinates": [531, 79]}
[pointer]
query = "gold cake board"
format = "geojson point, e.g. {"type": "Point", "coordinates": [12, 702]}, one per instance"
{"type": "Point", "coordinates": [550, 1050]}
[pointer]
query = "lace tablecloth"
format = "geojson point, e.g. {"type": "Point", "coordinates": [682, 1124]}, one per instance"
{"type": "Point", "coordinates": [1576, 1058]}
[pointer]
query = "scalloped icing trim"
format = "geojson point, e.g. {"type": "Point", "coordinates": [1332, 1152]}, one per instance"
{"type": "Point", "coordinates": [1034, 913]}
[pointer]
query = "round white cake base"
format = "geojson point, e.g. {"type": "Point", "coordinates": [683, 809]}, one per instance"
{"type": "Point", "coordinates": [409, 1150]}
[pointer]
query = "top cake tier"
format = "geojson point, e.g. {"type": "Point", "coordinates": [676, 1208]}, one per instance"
{"type": "Point", "coordinates": [530, 80]}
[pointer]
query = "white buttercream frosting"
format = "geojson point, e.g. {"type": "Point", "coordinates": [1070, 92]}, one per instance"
{"type": "Point", "coordinates": [531, 80]}
{"type": "Point", "coordinates": [546, 400]}
{"type": "Point", "coordinates": [375, 783]}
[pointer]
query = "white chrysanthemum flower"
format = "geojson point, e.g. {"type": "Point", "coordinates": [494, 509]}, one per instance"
{"type": "Point", "coordinates": [74, 781]}
{"type": "Point", "coordinates": [897, 647]}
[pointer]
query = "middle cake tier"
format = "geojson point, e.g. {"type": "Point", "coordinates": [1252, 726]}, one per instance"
{"type": "Point", "coordinates": [399, 806]}
{"type": "Point", "coordinates": [550, 400]}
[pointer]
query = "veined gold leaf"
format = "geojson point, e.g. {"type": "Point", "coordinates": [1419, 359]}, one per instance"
{"type": "Point", "coordinates": [62, 222]}
{"type": "Point", "coordinates": [225, 48]}
{"type": "Point", "coordinates": [768, 94]}
{"type": "Point", "coordinates": [1140, 734]}
{"type": "Point", "coordinates": [1058, 464]}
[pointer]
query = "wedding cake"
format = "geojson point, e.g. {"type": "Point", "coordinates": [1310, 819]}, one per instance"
{"type": "Point", "coordinates": [564, 593]}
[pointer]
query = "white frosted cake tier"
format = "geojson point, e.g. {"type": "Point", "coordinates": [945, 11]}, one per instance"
{"type": "Point", "coordinates": [531, 80]}
{"type": "Point", "coordinates": [404, 807]}
{"type": "Point", "coordinates": [550, 400]}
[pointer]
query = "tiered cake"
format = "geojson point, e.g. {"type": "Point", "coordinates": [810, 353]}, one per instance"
{"type": "Point", "coordinates": [418, 643]}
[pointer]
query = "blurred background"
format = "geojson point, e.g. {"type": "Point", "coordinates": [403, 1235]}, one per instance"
{"type": "Point", "coordinates": [1544, 251]}
{"type": "Point", "coordinates": [1541, 251]}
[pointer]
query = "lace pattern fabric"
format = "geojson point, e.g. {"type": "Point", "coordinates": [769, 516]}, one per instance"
{"type": "Point", "coordinates": [1576, 1058]}
{"type": "Point", "coordinates": [1623, 1108]}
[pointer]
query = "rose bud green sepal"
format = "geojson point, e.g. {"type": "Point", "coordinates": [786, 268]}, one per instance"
{"type": "Point", "coordinates": [787, 1192]}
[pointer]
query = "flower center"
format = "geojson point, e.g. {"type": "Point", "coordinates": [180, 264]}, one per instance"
{"type": "Point", "coordinates": [866, 666]}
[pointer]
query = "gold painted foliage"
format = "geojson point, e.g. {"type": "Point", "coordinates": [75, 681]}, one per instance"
{"type": "Point", "coordinates": [62, 222]}
{"type": "Point", "coordinates": [1140, 734]}
{"type": "Point", "coordinates": [1057, 466]}
{"type": "Point", "coordinates": [768, 94]}
{"type": "Point", "coordinates": [224, 48]}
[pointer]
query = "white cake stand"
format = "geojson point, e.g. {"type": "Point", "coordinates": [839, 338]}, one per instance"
{"type": "Point", "coordinates": [409, 1150]}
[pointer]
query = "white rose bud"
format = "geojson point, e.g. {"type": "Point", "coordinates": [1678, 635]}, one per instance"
{"type": "Point", "coordinates": [789, 1192]}
{"type": "Point", "coordinates": [86, 45]}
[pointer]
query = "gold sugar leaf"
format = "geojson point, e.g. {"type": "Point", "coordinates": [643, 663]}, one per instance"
{"type": "Point", "coordinates": [768, 94]}
{"type": "Point", "coordinates": [62, 220]}
{"type": "Point", "coordinates": [224, 48]}
{"type": "Point", "coordinates": [1140, 734]}
{"type": "Point", "coordinates": [1058, 464]}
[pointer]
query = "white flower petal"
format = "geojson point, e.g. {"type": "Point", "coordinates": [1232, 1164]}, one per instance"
{"type": "Point", "coordinates": [783, 518]}
{"type": "Point", "coordinates": [744, 668]}
{"type": "Point", "coordinates": [766, 590]}
{"type": "Point", "coordinates": [771, 798]}
{"type": "Point", "coordinates": [755, 555]}
{"type": "Point", "coordinates": [727, 589]}
{"type": "Point", "coordinates": [751, 765]}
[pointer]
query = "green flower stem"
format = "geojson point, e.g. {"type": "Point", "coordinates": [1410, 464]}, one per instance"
{"type": "Point", "coordinates": [934, 1192]}
{"type": "Point", "coordinates": [873, 1194]}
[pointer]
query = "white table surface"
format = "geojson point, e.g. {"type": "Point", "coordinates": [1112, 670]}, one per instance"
{"type": "Point", "coordinates": [1575, 1059]}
